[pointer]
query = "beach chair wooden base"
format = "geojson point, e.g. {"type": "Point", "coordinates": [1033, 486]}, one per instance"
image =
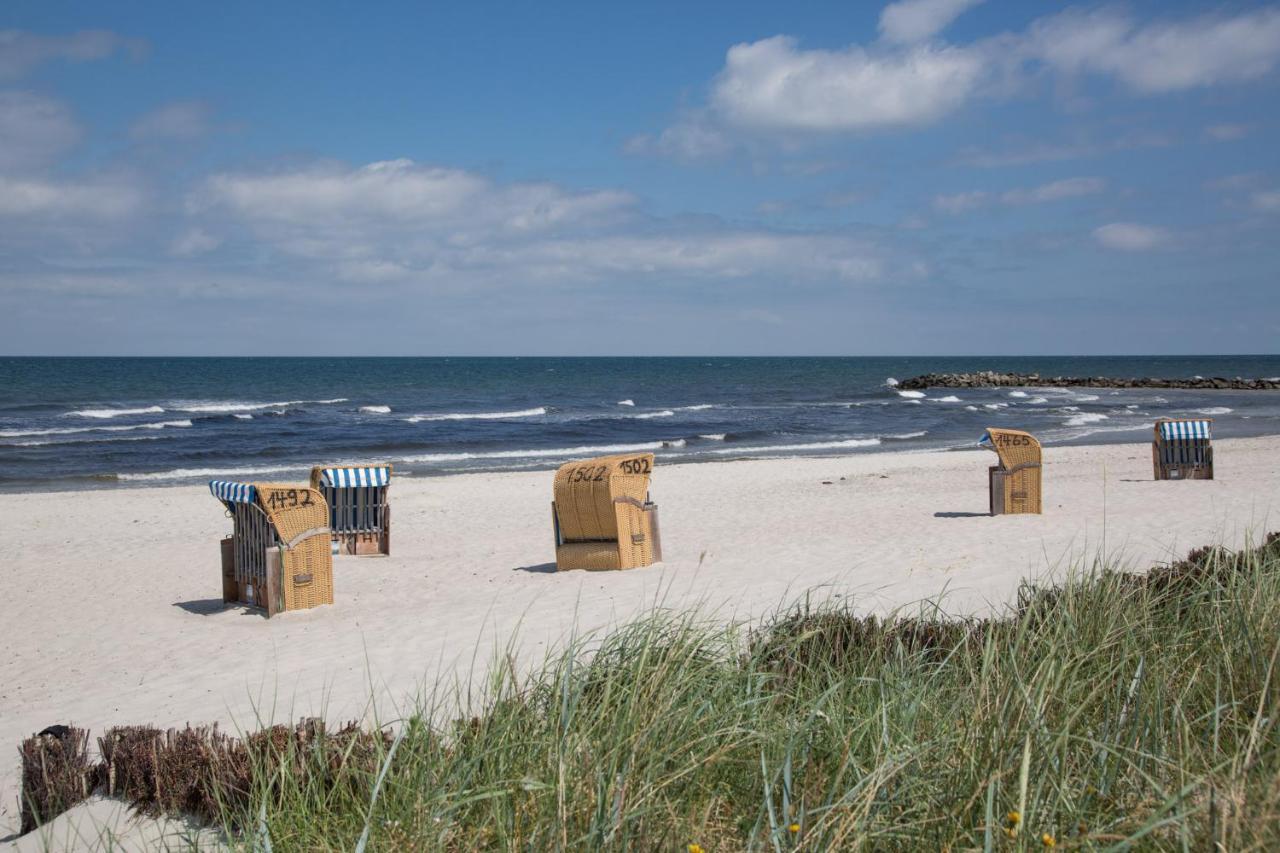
{"type": "Point", "coordinates": [635, 550]}
{"type": "Point", "coordinates": [302, 589]}
{"type": "Point", "coordinates": [363, 544]}
{"type": "Point", "coordinates": [1175, 471]}
{"type": "Point", "coordinates": [1014, 492]}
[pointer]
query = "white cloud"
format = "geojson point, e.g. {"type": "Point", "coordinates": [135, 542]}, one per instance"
{"type": "Point", "coordinates": [34, 130]}
{"type": "Point", "coordinates": [773, 85]}
{"type": "Point", "coordinates": [692, 138]}
{"type": "Point", "coordinates": [1227, 132]}
{"type": "Point", "coordinates": [400, 221]}
{"type": "Point", "coordinates": [1267, 201]}
{"type": "Point", "coordinates": [1130, 236]}
{"type": "Point", "coordinates": [194, 241]}
{"type": "Point", "coordinates": [1231, 183]}
{"type": "Point", "coordinates": [404, 195]}
{"type": "Point", "coordinates": [917, 20]}
{"type": "Point", "coordinates": [960, 202]}
{"type": "Point", "coordinates": [178, 120]}
{"type": "Point", "coordinates": [1160, 56]}
{"type": "Point", "coordinates": [775, 89]}
{"type": "Point", "coordinates": [1067, 188]}
{"type": "Point", "coordinates": [39, 199]}
{"type": "Point", "coordinates": [22, 51]}
{"type": "Point", "coordinates": [1052, 191]}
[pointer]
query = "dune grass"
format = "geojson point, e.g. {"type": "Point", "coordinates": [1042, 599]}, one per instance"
{"type": "Point", "coordinates": [1111, 712]}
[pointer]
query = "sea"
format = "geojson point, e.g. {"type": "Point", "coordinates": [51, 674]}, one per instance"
{"type": "Point", "coordinates": [75, 423]}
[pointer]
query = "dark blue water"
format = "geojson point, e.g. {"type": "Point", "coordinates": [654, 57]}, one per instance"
{"type": "Point", "coordinates": [73, 423]}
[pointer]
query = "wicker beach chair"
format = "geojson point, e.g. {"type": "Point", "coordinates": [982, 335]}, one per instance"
{"type": "Point", "coordinates": [359, 509]}
{"type": "Point", "coordinates": [1015, 482]}
{"type": "Point", "coordinates": [1183, 449]}
{"type": "Point", "coordinates": [602, 515]}
{"type": "Point", "coordinates": [277, 556]}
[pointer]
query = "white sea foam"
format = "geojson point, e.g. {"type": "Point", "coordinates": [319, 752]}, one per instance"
{"type": "Point", "coordinates": [994, 406]}
{"type": "Point", "coordinates": [540, 453]}
{"type": "Point", "coordinates": [950, 398]}
{"type": "Point", "coordinates": [713, 436]}
{"type": "Point", "coordinates": [1106, 429]}
{"type": "Point", "coordinates": [626, 402]}
{"type": "Point", "coordinates": [644, 416]}
{"type": "Point", "coordinates": [228, 406]}
{"type": "Point", "coordinates": [891, 382]}
{"type": "Point", "coordinates": [909, 434]}
{"type": "Point", "coordinates": [1038, 401]}
{"type": "Point", "coordinates": [187, 473]}
{"type": "Point", "coordinates": [1214, 410]}
{"type": "Point", "coordinates": [1086, 418]}
{"type": "Point", "coordinates": [911, 395]}
{"type": "Point", "coordinates": [679, 442]}
{"type": "Point", "coordinates": [1017, 393]}
{"type": "Point", "coordinates": [698, 408]}
{"type": "Point", "coordinates": [376, 410]}
{"type": "Point", "coordinates": [818, 445]}
{"type": "Point", "coordinates": [1084, 398]}
{"type": "Point", "coordinates": [47, 441]}
{"type": "Point", "coordinates": [115, 413]}
{"type": "Point", "coordinates": [17, 433]}
{"type": "Point", "coordinates": [971, 408]}
{"type": "Point", "coordinates": [480, 416]}
{"type": "Point", "coordinates": [242, 417]}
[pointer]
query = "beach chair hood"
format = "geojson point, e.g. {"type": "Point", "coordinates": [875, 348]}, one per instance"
{"type": "Point", "coordinates": [602, 514]}
{"type": "Point", "coordinates": [1014, 447]}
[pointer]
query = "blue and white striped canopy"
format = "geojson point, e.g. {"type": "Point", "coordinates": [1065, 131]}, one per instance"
{"type": "Point", "coordinates": [236, 493]}
{"type": "Point", "coordinates": [986, 439]}
{"type": "Point", "coordinates": [344, 477]}
{"type": "Point", "coordinates": [1185, 430]}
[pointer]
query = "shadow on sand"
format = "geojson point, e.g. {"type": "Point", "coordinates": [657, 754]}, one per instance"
{"type": "Point", "coordinates": [210, 606]}
{"type": "Point", "coordinates": [540, 568]}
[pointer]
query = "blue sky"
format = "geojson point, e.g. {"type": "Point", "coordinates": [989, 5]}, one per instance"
{"type": "Point", "coordinates": [928, 176]}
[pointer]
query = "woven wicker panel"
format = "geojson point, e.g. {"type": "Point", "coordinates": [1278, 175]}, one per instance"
{"type": "Point", "coordinates": [1022, 491]}
{"type": "Point", "coordinates": [636, 537]}
{"type": "Point", "coordinates": [585, 491]}
{"type": "Point", "coordinates": [308, 574]}
{"type": "Point", "coordinates": [592, 556]}
{"type": "Point", "coordinates": [293, 509]}
{"type": "Point", "coordinates": [1020, 467]}
{"type": "Point", "coordinates": [307, 567]}
{"type": "Point", "coordinates": [1014, 447]}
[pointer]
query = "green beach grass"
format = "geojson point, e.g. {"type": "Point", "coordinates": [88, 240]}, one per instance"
{"type": "Point", "coordinates": [1113, 711]}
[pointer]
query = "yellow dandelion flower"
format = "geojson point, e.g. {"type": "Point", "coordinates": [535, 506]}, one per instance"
{"type": "Point", "coordinates": [795, 827]}
{"type": "Point", "coordinates": [1048, 840]}
{"type": "Point", "coordinates": [695, 848]}
{"type": "Point", "coordinates": [1013, 818]}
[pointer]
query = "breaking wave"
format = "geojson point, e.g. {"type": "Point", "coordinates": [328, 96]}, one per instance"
{"type": "Point", "coordinates": [480, 416]}
{"type": "Point", "coordinates": [228, 406]}
{"type": "Point", "coordinates": [18, 433]}
{"type": "Point", "coordinates": [115, 413]}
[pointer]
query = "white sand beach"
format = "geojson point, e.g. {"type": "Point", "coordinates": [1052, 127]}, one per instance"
{"type": "Point", "coordinates": [112, 611]}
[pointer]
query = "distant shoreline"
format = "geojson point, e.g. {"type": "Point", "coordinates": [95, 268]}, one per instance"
{"type": "Point", "coordinates": [991, 379]}
{"type": "Point", "coordinates": [99, 483]}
